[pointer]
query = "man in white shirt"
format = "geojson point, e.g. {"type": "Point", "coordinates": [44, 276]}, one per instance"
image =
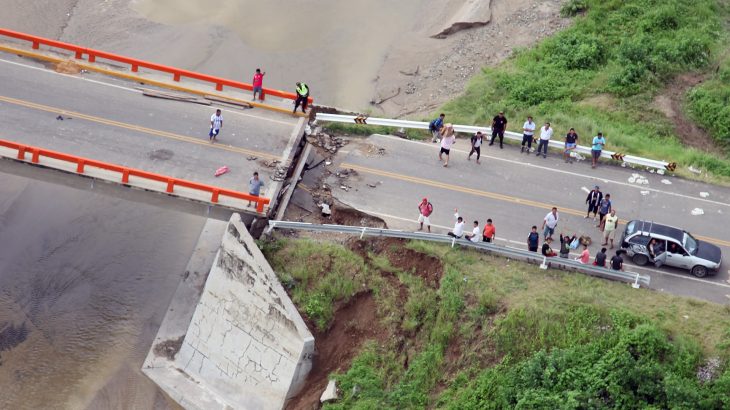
{"type": "Point", "coordinates": [545, 134]}
{"type": "Point", "coordinates": [216, 123]}
{"type": "Point", "coordinates": [458, 226]}
{"type": "Point", "coordinates": [528, 133]}
{"type": "Point", "coordinates": [474, 235]}
{"type": "Point", "coordinates": [549, 223]}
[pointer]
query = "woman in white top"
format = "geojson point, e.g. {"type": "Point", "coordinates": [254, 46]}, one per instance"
{"type": "Point", "coordinates": [448, 138]}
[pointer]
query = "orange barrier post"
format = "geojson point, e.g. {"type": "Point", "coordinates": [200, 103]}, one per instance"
{"type": "Point", "coordinates": [80, 167]}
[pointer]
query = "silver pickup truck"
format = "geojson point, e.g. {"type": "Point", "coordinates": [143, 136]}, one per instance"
{"type": "Point", "coordinates": [671, 246]}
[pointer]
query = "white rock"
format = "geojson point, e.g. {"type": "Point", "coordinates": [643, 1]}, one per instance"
{"type": "Point", "coordinates": [329, 393]}
{"type": "Point", "coordinates": [666, 182]}
{"type": "Point", "coordinates": [697, 211]}
{"type": "Point", "coordinates": [632, 180]}
{"type": "Point", "coordinates": [660, 171]}
{"type": "Point", "coordinates": [704, 194]}
{"type": "Point", "coordinates": [695, 170]}
{"type": "Point", "coordinates": [644, 192]}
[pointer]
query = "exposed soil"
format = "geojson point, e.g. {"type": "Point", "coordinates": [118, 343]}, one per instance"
{"type": "Point", "coordinates": [671, 102]}
{"type": "Point", "coordinates": [427, 267]}
{"type": "Point", "coordinates": [354, 323]}
{"type": "Point", "coordinates": [67, 67]}
{"type": "Point", "coordinates": [344, 215]}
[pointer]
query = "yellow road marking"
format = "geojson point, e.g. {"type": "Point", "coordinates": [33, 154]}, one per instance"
{"type": "Point", "coordinates": [140, 79]}
{"type": "Point", "coordinates": [492, 195]}
{"type": "Point", "coordinates": [164, 134]}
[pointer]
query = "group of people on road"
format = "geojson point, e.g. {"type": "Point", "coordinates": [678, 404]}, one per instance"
{"type": "Point", "coordinates": [599, 205]}
{"type": "Point", "coordinates": [444, 133]}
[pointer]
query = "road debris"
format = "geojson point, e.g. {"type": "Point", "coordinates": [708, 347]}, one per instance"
{"type": "Point", "coordinates": [638, 179]}
{"type": "Point", "coordinates": [279, 174]}
{"type": "Point", "coordinates": [694, 170]}
{"type": "Point", "coordinates": [704, 194]}
{"type": "Point", "coordinates": [327, 142]}
{"type": "Point", "coordinates": [252, 158]}
{"type": "Point", "coordinates": [697, 212]}
{"type": "Point", "coordinates": [666, 182]}
{"type": "Point", "coordinates": [645, 193]}
{"type": "Point", "coordinates": [375, 185]}
{"type": "Point", "coordinates": [222, 170]}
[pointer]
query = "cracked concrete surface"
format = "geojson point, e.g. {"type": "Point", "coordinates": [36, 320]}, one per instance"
{"type": "Point", "coordinates": [246, 346]}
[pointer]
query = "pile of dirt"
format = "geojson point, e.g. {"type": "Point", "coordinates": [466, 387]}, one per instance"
{"type": "Point", "coordinates": [67, 67]}
{"type": "Point", "coordinates": [355, 322]}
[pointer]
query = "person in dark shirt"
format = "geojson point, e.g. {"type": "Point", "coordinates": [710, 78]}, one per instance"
{"type": "Point", "coordinates": [532, 239]}
{"type": "Point", "coordinates": [499, 124]}
{"type": "Point", "coordinates": [565, 242]}
{"type": "Point", "coordinates": [546, 249]}
{"type": "Point", "coordinates": [600, 258]}
{"type": "Point", "coordinates": [571, 141]}
{"type": "Point", "coordinates": [617, 262]}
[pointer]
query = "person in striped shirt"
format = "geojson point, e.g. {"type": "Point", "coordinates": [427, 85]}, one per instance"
{"type": "Point", "coordinates": [216, 123]}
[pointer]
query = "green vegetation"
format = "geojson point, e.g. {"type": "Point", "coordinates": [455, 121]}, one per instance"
{"type": "Point", "coordinates": [603, 72]}
{"type": "Point", "coordinates": [710, 104]}
{"type": "Point", "coordinates": [499, 334]}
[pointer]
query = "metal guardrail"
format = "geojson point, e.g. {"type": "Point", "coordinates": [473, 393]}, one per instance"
{"type": "Point", "coordinates": [471, 129]}
{"type": "Point", "coordinates": [560, 263]}
{"type": "Point", "coordinates": [82, 164]}
{"type": "Point", "coordinates": [135, 64]}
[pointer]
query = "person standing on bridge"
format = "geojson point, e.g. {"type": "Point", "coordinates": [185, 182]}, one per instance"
{"type": "Point", "coordinates": [499, 124]}
{"type": "Point", "coordinates": [571, 141]}
{"type": "Point", "coordinates": [448, 138]}
{"type": "Point", "coordinates": [476, 145]}
{"type": "Point", "coordinates": [598, 143]}
{"type": "Point", "coordinates": [258, 84]}
{"type": "Point", "coordinates": [489, 232]}
{"type": "Point", "coordinates": [545, 134]}
{"type": "Point", "coordinates": [604, 208]}
{"type": "Point", "coordinates": [593, 200]}
{"type": "Point", "coordinates": [533, 239]}
{"type": "Point", "coordinates": [254, 186]}
{"type": "Point", "coordinates": [425, 209]}
{"type": "Point", "coordinates": [609, 228]}
{"type": "Point", "coordinates": [549, 223]}
{"type": "Point", "coordinates": [435, 127]}
{"type": "Point", "coordinates": [474, 235]}
{"type": "Point", "coordinates": [302, 97]}
{"type": "Point", "coordinates": [216, 123]}
{"type": "Point", "coordinates": [528, 134]}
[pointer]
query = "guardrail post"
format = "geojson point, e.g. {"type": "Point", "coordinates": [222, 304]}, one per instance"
{"type": "Point", "coordinates": [544, 264]}
{"type": "Point", "coordinates": [21, 153]}
{"type": "Point", "coordinates": [79, 55]}
{"type": "Point", "coordinates": [92, 58]}
{"type": "Point", "coordinates": [170, 185]}
{"type": "Point", "coordinates": [453, 242]}
{"type": "Point", "coordinates": [36, 45]}
{"type": "Point", "coordinates": [135, 68]}
{"type": "Point", "coordinates": [259, 207]}
{"type": "Point", "coordinates": [176, 77]}
{"type": "Point", "coordinates": [262, 95]}
{"type": "Point", "coordinates": [36, 155]}
{"type": "Point", "coordinates": [214, 198]}
{"type": "Point", "coordinates": [636, 285]}
{"type": "Point", "coordinates": [218, 87]}
{"type": "Point", "coordinates": [125, 176]}
{"type": "Point", "coordinates": [362, 233]}
{"type": "Point", "coordinates": [80, 166]}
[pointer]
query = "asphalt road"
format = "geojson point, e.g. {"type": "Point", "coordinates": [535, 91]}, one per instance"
{"type": "Point", "coordinates": [109, 120]}
{"type": "Point", "coordinates": [516, 191]}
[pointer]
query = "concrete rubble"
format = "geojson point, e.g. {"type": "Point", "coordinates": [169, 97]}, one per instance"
{"type": "Point", "coordinates": [330, 392]}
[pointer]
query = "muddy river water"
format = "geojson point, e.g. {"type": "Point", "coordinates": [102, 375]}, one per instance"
{"type": "Point", "coordinates": [85, 281]}
{"type": "Point", "coordinates": [337, 46]}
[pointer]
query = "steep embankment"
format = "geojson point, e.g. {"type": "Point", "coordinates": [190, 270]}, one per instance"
{"type": "Point", "coordinates": [416, 325]}
{"type": "Point", "coordinates": [603, 74]}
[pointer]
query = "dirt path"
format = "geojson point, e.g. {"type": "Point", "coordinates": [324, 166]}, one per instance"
{"type": "Point", "coordinates": [671, 102]}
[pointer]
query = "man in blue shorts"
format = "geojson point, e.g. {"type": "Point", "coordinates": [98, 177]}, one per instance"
{"type": "Point", "coordinates": [598, 143]}
{"type": "Point", "coordinates": [571, 141]}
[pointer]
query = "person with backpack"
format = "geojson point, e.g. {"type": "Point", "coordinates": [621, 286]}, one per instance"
{"type": "Point", "coordinates": [425, 209]}
{"type": "Point", "coordinates": [435, 127]}
{"type": "Point", "coordinates": [476, 145]}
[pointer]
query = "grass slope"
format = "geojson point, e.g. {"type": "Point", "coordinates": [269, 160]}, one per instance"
{"type": "Point", "coordinates": [602, 74]}
{"type": "Point", "coordinates": [494, 333]}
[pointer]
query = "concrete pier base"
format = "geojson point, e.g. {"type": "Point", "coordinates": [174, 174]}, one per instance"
{"type": "Point", "coordinates": [244, 346]}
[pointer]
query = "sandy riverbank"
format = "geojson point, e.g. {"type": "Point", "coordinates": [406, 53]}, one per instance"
{"type": "Point", "coordinates": [353, 54]}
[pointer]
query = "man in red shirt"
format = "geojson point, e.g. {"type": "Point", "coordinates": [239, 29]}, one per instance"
{"type": "Point", "coordinates": [258, 84]}
{"type": "Point", "coordinates": [489, 232]}
{"type": "Point", "coordinates": [425, 209]}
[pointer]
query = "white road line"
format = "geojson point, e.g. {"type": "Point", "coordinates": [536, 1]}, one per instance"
{"type": "Point", "coordinates": [636, 267]}
{"type": "Point", "coordinates": [134, 90]}
{"type": "Point", "coordinates": [559, 171]}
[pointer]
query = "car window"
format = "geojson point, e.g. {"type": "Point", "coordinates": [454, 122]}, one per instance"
{"type": "Point", "coordinates": [631, 228]}
{"type": "Point", "coordinates": [639, 240]}
{"type": "Point", "coordinates": [676, 248]}
{"type": "Point", "coordinates": [690, 243]}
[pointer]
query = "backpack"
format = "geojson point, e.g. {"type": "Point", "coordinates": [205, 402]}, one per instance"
{"type": "Point", "coordinates": [432, 125]}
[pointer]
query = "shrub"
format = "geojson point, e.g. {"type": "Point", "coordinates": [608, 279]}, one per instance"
{"type": "Point", "coordinates": [572, 7]}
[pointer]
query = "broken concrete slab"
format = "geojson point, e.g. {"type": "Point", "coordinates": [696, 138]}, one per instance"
{"type": "Point", "coordinates": [246, 346]}
{"type": "Point", "coordinates": [329, 393]}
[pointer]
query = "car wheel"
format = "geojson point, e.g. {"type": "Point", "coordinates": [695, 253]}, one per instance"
{"type": "Point", "coordinates": [640, 259]}
{"type": "Point", "coordinates": [699, 271]}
